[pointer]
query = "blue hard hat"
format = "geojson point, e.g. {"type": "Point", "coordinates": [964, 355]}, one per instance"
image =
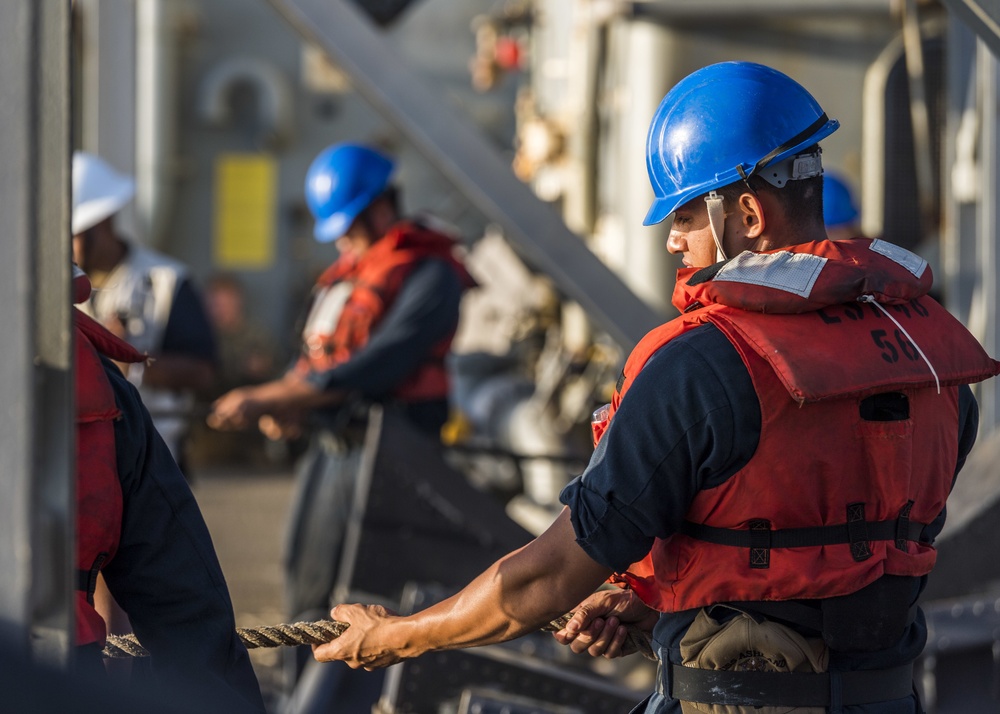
{"type": "Point", "coordinates": [838, 203]}
{"type": "Point", "coordinates": [341, 182]}
{"type": "Point", "coordinates": [725, 122]}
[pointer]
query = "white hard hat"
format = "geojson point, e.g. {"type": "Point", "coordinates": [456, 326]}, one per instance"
{"type": "Point", "coordinates": [98, 191]}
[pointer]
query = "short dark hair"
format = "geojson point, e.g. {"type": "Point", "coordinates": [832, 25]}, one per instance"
{"type": "Point", "coordinates": [802, 199]}
{"type": "Point", "coordinates": [225, 281]}
{"type": "Point", "coordinates": [392, 195]}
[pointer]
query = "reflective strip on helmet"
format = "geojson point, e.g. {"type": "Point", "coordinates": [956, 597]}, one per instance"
{"type": "Point", "coordinates": [794, 273]}
{"type": "Point", "coordinates": [912, 262]}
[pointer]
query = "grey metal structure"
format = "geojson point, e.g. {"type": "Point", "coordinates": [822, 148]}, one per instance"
{"type": "Point", "coordinates": [36, 423]}
{"type": "Point", "coordinates": [982, 16]}
{"type": "Point", "coordinates": [731, 10]}
{"type": "Point", "coordinates": [107, 121]}
{"type": "Point", "coordinates": [461, 153]}
{"type": "Point", "coordinates": [983, 317]}
{"type": "Point", "coordinates": [971, 231]}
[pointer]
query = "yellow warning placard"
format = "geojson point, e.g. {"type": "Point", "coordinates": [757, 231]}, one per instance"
{"type": "Point", "coordinates": [245, 197]}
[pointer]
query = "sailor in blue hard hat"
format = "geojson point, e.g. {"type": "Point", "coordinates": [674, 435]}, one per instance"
{"type": "Point", "coordinates": [772, 469]}
{"type": "Point", "coordinates": [342, 182]}
{"type": "Point", "coordinates": [378, 329]}
{"type": "Point", "coordinates": [726, 123]}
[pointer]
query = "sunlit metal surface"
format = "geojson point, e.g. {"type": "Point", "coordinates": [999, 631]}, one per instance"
{"type": "Point", "coordinates": [982, 16]}
{"type": "Point", "coordinates": [36, 420]}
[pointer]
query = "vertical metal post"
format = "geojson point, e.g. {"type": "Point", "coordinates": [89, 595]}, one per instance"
{"type": "Point", "coordinates": [36, 421]}
{"type": "Point", "coordinates": [961, 183]}
{"type": "Point", "coordinates": [154, 118]}
{"type": "Point", "coordinates": [919, 118]}
{"type": "Point", "coordinates": [108, 88]}
{"type": "Point", "coordinates": [983, 316]}
{"type": "Point", "coordinates": [645, 52]}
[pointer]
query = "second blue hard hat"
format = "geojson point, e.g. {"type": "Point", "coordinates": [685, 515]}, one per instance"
{"type": "Point", "coordinates": [342, 181]}
{"type": "Point", "coordinates": [839, 207]}
{"type": "Point", "coordinates": [725, 122]}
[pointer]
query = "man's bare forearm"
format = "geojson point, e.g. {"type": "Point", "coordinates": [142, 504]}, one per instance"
{"type": "Point", "coordinates": [518, 594]}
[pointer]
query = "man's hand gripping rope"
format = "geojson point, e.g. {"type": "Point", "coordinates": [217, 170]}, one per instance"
{"type": "Point", "coordinates": [323, 631]}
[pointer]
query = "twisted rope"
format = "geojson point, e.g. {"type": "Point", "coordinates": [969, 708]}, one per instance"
{"type": "Point", "coordinates": [320, 632]}
{"type": "Point", "coordinates": [299, 633]}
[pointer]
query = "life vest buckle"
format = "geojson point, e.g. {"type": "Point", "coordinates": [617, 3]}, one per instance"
{"type": "Point", "coordinates": [760, 543]}
{"type": "Point", "coordinates": [903, 526]}
{"type": "Point", "coordinates": [857, 532]}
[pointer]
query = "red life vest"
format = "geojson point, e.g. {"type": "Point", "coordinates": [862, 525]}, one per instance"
{"type": "Point", "coordinates": [862, 489]}
{"type": "Point", "coordinates": [376, 279]}
{"type": "Point", "coordinates": [98, 490]}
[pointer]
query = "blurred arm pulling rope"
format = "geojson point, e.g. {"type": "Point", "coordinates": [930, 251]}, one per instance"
{"type": "Point", "coordinates": [317, 633]}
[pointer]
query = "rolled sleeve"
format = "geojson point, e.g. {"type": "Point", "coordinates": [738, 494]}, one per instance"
{"type": "Point", "coordinates": [600, 528]}
{"type": "Point", "coordinates": [690, 420]}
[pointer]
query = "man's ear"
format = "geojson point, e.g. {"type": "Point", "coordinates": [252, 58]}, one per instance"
{"type": "Point", "coordinates": [751, 215]}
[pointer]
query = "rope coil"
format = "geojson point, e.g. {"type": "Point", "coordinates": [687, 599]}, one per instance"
{"type": "Point", "coordinates": [320, 632]}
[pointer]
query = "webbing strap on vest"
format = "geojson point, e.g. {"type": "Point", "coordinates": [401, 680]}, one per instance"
{"type": "Point", "coordinates": [789, 689]}
{"type": "Point", "coordinates": [858, 532]}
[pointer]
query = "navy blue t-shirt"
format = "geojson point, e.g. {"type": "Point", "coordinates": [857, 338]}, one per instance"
{"type": "Point", "coordinates": [188, 330]}
{"type": "Point", "coordinates": [690, 421]}
{"type": "Point", "coordinates": [166, 575]}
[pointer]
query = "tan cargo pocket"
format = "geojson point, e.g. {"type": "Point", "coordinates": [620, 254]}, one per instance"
{"type": "Point", "coordinates": [744, 645]}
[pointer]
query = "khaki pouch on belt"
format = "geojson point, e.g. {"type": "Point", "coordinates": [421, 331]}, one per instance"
{"type": "Point", "coordinates": [743, 644]}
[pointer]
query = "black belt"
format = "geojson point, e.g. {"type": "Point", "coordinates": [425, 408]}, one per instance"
{"type": "Point", "coordinates": [790, 689]}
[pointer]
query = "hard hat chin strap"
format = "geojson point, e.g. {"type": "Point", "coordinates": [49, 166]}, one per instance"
{"type": "Point", "coordinates": [802, 172]}
{"type": "Point", "coordinates": [717, 222]}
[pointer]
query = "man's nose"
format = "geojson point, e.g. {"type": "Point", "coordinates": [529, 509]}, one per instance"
{"type": "Point", "coordinates": [676, 242]}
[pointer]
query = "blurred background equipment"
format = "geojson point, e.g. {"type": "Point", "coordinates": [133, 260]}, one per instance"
{"type": "Point", "coordinates": [519, 122]}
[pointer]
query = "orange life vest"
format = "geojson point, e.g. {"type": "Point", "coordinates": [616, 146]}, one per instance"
{"type": "Point", "coordinates": [830, 501]}
{"type": "Point", "coordinates": [376, 279]}
{"type": "Point", "coordinates": [98, 490]}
